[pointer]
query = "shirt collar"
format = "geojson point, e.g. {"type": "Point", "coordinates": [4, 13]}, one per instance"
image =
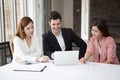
{"type": "Point", "coordinates": [59, 34]}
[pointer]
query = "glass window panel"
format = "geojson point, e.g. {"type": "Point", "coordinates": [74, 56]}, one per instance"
{"type": "Point", "coordinates": [11, 16]}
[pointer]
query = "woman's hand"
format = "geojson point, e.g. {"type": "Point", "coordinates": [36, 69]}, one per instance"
{"type": "Point", "coordinates": [17, 58]}
{"type": "Point", "coordinates": [45, 59]}
{"type": "Point", "coordinates": [42, 59]}
{"type": "Point", "coordinates": [82, 60]}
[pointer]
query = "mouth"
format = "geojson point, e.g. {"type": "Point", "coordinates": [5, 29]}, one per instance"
{"type": "Point", "coordinates": [31, 33]}
{"type": "Point", "coordinates": [94, 36]}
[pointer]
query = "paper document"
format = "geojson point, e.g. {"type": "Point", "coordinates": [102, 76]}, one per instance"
{"type": "Point", "coordinates": [29, 68]}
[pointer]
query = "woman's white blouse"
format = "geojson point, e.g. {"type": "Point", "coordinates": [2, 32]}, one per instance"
{"type": "Point", "coordinates": [24, 52]}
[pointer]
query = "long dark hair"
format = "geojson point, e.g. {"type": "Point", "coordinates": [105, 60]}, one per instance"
{"type": "Point", "coordinates": [102, 26]}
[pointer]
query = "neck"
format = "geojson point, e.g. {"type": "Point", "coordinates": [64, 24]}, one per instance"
{"type": "Point", "coordinates": [100, 38]}
{"type": "Point", "coordinates": [28, 38]}
{"type": "Point", "coordinates": [57, 33]}
{"type": "Point", "coordinates": [100, 41]}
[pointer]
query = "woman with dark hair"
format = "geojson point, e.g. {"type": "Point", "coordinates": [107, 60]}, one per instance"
{"type": "Point", "coordinates": [25, 44]}
{"type": "Point", "coordinates": [101, 45]}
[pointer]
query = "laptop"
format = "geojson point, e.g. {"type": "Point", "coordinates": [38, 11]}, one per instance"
{"type": "Point", "coordinates": [66, 57]}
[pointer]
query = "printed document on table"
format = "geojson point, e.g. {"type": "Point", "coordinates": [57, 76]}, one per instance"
{"type": "Point", "coordinates": [29, 68]}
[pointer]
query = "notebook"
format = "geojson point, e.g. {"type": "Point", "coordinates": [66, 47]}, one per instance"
{"type": "Point", "coordinates": [29, 67]}
{"type": "Point", "coordinates": [66, 57]}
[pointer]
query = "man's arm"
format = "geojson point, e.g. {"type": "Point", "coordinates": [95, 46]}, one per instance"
{"type": "Point", "coordinates": [46, 46]}
{"type": "Point", "coordinates": [80, 43]}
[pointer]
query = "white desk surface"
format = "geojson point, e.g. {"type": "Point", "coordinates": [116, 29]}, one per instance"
{"type": "Point", "coordinates": [88, 71]}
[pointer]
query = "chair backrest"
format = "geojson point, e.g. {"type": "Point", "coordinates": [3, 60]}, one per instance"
{"type": "Point", "coordinates": [118, 51]}
{"type": "Point", "coordinates": [5, 53]}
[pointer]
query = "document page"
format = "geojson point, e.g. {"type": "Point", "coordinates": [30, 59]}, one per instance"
{"type": "Point", "coordinates": [29, 68]}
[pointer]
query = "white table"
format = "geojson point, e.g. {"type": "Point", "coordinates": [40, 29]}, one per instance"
{"type": "Point", "coordinates": [88, 71]}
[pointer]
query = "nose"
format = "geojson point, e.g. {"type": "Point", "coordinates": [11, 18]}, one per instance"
{"type": "Point", "coordinates": [56, 26]}
{"type": "Point", "coordinates": [31, 29]}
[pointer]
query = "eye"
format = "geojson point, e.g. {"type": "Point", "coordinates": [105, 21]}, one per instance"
{"type": "Point", "coordinates": [53, 24]}
{"type": "Point", "coordinates": [32, 27]}
{"type": "Point", "coordinates": [58, 23]}
{"type": "Point", "coordinates": [27, 28]}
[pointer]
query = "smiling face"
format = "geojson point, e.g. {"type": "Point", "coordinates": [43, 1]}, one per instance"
{"type": "Point", "coordinates": [29, 29]}
{"type": "Point", "coordinates": [96, 33]}
{"type": "Point", "coordinates": [55, 26]}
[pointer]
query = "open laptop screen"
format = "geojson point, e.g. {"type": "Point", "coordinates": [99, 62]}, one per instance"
{"type": "Point", "coordinates": [66, 57]}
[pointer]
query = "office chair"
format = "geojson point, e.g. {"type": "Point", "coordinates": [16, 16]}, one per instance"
{"type": "Point", "coordinates": [118, 51]}
{"type": "Point", "coordinates": [5, 52]}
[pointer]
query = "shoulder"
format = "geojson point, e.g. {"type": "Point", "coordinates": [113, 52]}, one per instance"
{"type": "Point", "coordinates": [16, 38]}
{"type": "Point", "coordinates": [47, 33]}
{"type": "Point", "coordinates": [66, 29]}
{"type": "Point", "coordinates": [109, 39]}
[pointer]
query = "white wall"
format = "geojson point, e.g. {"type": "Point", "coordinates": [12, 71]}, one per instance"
{"type": "Point", "coordinates": [58, 5]}
{"type": "Point", "coordinates": [85, 15]}
{"type": "Point", "coordinates": [68, 13]}
{"type": "Point", "coordinates": [65, 8]}
{"type": "Point", "coordinates": [30, 8]}
{"type": "Point", "coordinates": [34, 9]}
{"type": "Point", "coordinates": [1, 22]}
{"type": "Point", "coordinates": [38, 17]}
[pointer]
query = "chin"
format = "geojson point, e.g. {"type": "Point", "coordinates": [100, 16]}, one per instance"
{"type": "Point", "coordinates": [31, 35]}
{"type": "Point", "coordinates": [94, 37]}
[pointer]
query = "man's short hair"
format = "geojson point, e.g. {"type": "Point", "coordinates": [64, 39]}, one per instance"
{"type": "Point", "coordinates": [55, 15]}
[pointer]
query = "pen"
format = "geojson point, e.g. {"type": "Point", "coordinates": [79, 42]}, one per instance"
{"type": "Point", "coordinates": [27, 70]}
{"type": "Point", "coordinates": [43, 68]}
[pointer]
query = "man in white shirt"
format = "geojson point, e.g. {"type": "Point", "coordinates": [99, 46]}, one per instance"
{"type": "Point", "coordinates": [60, 39]}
